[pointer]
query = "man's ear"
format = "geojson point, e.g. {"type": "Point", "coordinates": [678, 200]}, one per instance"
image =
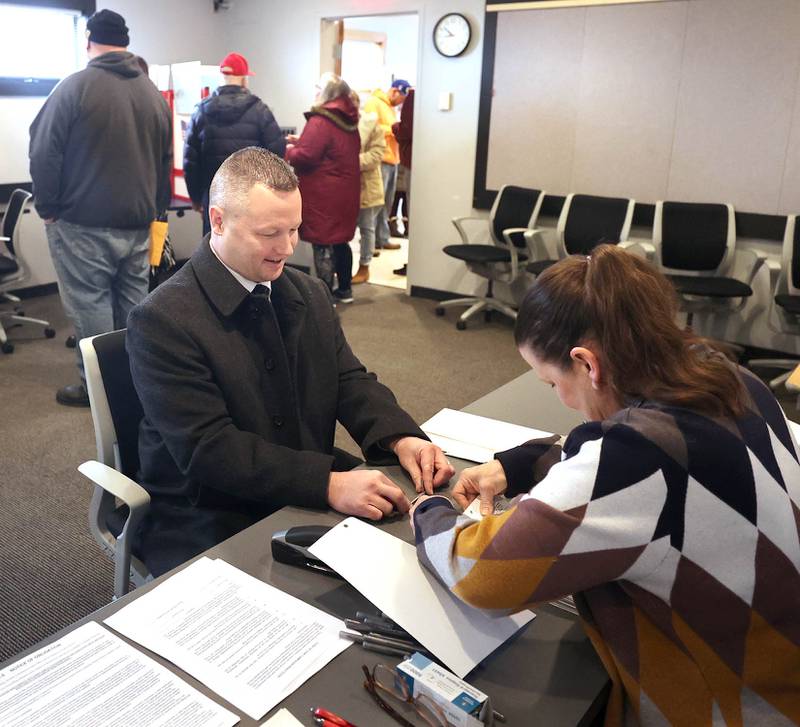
{"type": "Point", "coordinates": [589, 363]}
{"type": "Point", "coordinates": [215, 218]}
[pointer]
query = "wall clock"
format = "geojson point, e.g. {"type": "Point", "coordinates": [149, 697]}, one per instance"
{"type": "Point", "coordinates": [452, 34]}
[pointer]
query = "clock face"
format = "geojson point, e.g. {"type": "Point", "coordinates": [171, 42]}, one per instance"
{"type": "Point", "coordinates": [452, 34]}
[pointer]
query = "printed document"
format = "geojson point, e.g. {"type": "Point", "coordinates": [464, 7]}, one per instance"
{"type": "Point", "coordinates": [476, 438]}
{"type": "Point", "coordinates": [92, 677]}
{"type": "Point", "coordinates": [386, 570]}
{"type": "Point", "coordinates": [249, 642]}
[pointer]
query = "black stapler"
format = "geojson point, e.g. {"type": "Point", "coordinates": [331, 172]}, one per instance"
{"type": "Point", "coordinates": [291, 546]}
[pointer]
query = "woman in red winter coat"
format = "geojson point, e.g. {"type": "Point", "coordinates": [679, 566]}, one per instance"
{"type": "Point", "coordinates": [325, 158]}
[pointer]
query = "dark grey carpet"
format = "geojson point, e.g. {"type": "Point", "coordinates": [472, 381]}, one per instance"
{"type": "Point", "coordinates": [51, 571]}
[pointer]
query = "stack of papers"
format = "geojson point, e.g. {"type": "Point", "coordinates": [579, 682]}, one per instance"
{"type": "Point", "coordinates": [249, 642]}
{"type": "Point", "coordinates": [91, 677]}
{"type": "Point", "coordinates": [476, 438]}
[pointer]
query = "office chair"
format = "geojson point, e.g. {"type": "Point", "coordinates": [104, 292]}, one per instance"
{"type": "Point", "coordinates": [695, 244]}
{"type": "Point", "coordinates": [585, 222]}
{"type": "Point", "coordinates": [116, 413]}
{"type": "Point", "coordinates": [515, 211]}
{"type": "Point", "coordinates": [785, 303]}
{"type": "Point", "coordinates": [13, 270]}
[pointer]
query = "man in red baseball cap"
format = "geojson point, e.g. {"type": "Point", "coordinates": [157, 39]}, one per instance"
{"type": "Point", "coordinates": [230, 119]}
{"type": "Point", "coordinates": [234, 64]}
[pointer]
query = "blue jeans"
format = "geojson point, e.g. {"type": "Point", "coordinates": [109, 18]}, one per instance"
{"type": "Point", "coordinates": [102, 274]}
{"type": "Point", "coordinates": [389, 174]}
{"type": "Point", "coordinates": [366, 226]}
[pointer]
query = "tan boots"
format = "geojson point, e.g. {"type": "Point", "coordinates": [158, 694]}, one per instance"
{"type": "Point", "coordinates": [362, 276]}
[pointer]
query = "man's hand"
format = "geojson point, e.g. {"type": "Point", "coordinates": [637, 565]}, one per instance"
{"type": "Point", "coordinates": [366, 493]}
{"type": "Point", "coordinates": [424, 462]}
{"type": "Point", "coordinates": [197, 207]}
{"type": "Point", "coordinates": [483, 481]}
{"type": "Point", "coordinates": [292, 138]}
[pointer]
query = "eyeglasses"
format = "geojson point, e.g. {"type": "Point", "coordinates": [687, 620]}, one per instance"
{"type": "Point", "coordinates": [385, 680]}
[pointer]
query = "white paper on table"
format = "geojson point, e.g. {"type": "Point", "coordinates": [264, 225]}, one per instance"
{"type": "Point", "coordinates": [283, 718]}
{"type": "Point", "coordinates": [249, 642]}
{"type": "Point", "coordinates": [92, 677]}
{"type": "Point", "coordinates": [476, 438]}
{"type": "Point", "coordinates": [385, 569]}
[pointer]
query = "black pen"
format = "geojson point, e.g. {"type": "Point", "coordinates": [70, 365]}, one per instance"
{"type": "Point", "coordinates": [381, 629]}
{"type": "Point", "coordinates": [376, 644]}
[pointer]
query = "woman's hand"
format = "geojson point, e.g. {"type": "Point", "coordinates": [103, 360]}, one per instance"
{"type": "Point", "coordinates": [483, 481]}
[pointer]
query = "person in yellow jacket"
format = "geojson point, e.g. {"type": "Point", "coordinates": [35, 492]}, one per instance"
{"type": "Point", "coordinates": [383, 104]}
{"type": "Point", "coordinates": [373, 148]}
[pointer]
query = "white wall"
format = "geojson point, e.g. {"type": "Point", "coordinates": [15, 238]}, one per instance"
{"type": "Point", "coordinates": [282, 43]}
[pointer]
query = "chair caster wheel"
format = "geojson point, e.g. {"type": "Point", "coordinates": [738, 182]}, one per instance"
{"type": "Point", "coordinates": [70, 342]}
{"type": "Point", "coordinates": [49, 332]}
{"type": "Point", "coordinates": [19, 312]}
{"type": "Point", "coordinates": [7, 347]}
{"type": "Point", "coordinates": [439, 310]}
{"type": "Point", "coordinates": [461, 325]}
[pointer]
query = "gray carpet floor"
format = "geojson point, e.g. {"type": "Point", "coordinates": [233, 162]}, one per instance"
{"type": "Point", "coordinates": [51, 571]}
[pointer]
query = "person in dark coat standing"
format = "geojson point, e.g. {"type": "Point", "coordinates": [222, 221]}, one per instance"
{"type": "Point", "coordinates": [325, 157]}
{"type": "Point", "coordinates": [403, 131]}
{"type": "Point", "coordinates": [230, 119]}
{"type": "Point", "coordinates": [100, 161]}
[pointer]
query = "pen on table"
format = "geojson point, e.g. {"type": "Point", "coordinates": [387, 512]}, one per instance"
{"type": "Point", "coordinates": [324, 718]}
{"type": "Point", "coordinates": [378, 640]}
{"type": "Point", "coordinates": [381, 623]}
{"type": "Point", "coordinates": [376, 644]}
{"type": "Point", "coordinates": [366, 628]}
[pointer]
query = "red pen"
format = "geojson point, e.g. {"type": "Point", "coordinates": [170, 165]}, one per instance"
{"type": "Point", "coordinates": [324, 718]}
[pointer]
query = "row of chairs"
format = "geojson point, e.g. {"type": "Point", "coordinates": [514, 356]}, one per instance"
{"type": "Point", "coordinates": [693, 244]}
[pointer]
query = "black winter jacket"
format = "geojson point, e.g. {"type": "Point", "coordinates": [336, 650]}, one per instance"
{"type": "Point", "coordinates": [230, 119]}
{"type": "Point", "coordinates": [101, 147]}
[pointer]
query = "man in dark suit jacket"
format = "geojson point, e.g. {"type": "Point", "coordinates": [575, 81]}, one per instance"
{"type": "Point", "coordinates": [242, 390]}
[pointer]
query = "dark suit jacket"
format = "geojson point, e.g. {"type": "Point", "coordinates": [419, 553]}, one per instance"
{"type": "Point", "coordinates": [234, 429]}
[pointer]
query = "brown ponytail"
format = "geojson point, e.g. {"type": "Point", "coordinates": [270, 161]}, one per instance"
{"type": "Point", "coordinates": [628, 308]}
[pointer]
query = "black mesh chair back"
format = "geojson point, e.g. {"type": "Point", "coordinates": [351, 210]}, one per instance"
{"type": "Point", "coordinates": [592, 221]}
{"type": "Point", "coordinates": [123, 401]}
{"type": "Point", "coordinates": [694, 236]}
{"type": "Point", "coordinates": [16, 204]}
{"type": "Point", "coordinates": [795, 266]}
{"type": "Point", "coordinates": [514, 209]}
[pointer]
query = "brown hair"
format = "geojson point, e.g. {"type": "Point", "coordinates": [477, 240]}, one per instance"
{"type": "Point", "coordinates": [245, 168]}
{"type": "Point", "coordinates": [628, 308]}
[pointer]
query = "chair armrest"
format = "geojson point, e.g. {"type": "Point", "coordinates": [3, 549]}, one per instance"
{"type": "Point", "coordinates": [110, 484]}
{"type": "Point", "coordinates": [648, 247]}
{"type": "Point", "coordinates": [758, 263]}
{"type": "Point", "coordinates": [533, 236]}
{"type": "Point", "coordinates": [4, 239]}
{"type": "Point", "coordinates": [119, 485]}
{"type": "Point", "coordinates": [458, 222]}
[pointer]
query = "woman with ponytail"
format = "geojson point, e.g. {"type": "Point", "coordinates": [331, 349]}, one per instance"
{"type": "Point", "coordinates": [672, 514]}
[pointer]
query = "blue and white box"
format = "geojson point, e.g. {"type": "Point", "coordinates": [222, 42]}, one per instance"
{"type": "Point", "coordinates": [463, 705]}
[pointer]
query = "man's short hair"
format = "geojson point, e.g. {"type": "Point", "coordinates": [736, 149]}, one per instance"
{"type": "Point", "coordinates": [245, 168]}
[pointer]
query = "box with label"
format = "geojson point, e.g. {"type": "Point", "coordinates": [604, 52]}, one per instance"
{"type": "Point", "coordinates": [463, 705]}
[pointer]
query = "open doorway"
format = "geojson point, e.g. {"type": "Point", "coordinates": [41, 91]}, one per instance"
{"type": "Point", "coordinates": [371, 53]}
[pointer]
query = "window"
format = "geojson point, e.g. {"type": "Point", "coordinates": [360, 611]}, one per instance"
{"type": "Point", "coordinates": [41, 45]}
